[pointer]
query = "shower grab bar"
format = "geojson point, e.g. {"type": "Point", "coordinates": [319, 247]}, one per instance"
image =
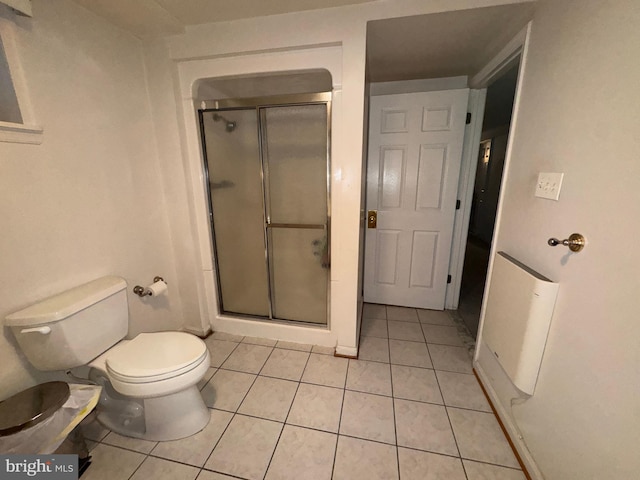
{"type": "Point", "coordinates": [296, 225]}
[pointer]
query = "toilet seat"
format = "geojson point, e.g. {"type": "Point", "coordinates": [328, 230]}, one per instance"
{"type": "Point", "coordinates": [155, 364]}
{"type": "Point", "coordinates": [151, 357]}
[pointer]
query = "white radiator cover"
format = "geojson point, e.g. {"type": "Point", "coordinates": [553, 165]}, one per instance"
{"type": "Point", "coordinates": [517, 319]}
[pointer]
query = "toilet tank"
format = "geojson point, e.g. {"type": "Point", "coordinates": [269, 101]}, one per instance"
{"type": "Point", "coordinates": [74, 327]}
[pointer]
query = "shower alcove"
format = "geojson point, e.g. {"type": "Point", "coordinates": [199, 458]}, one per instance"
{"type": "Point", "coordinates": [265, 148]}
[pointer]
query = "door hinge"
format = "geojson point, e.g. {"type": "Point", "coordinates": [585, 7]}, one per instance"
{"type": "Point", "coordinates": [448, 278]}
{"type": "Point", "coordinates": [457, 204]}
{"type": "Point", "coordinates": [468, 118]}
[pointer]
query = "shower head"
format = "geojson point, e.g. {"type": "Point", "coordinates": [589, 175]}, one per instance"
{"type": "Point", "coordinates": [229, 125]}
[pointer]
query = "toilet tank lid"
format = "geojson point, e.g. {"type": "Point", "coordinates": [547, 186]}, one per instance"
{"type": "Point", "coordinates": [67, 303]}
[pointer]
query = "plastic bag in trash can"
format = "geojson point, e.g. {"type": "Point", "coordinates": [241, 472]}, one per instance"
{"type": "Point", "coordinates": [46, 437]}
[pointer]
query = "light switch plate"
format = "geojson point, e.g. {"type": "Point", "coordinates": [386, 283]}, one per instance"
{"type": "Point", "coordinates": [548, 185]}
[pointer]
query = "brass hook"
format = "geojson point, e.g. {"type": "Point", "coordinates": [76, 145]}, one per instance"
{"type": "Point", "coordinates": [575, 242]}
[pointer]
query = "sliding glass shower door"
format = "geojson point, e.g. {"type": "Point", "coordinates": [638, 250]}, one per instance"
{"type": "Point", "coordinates": [267, 171]}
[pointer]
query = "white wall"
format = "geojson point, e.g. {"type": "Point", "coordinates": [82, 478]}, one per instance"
{"type": "Point", "coordinates": [88, 201]}
{"type": "Point", "coordinates": [422, 85]}
{"type": "Point", "coordinates": [579, 115]}
{"type": "Point", "coordinates": [229, 44]}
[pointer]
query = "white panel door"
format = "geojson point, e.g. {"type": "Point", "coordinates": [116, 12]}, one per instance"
{"type": "Point", "coordinates": [415, 150]}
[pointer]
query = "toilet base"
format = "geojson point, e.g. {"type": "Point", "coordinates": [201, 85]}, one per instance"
{"type": "Point", "coordinates": [169, 417]}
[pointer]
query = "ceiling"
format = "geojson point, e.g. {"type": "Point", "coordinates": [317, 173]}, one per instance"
{"type": "Point", "coordinates": [147, 18]}
{"type": "Point", "coordinates": [442, 44]}
{"type": "Point", "coordinates": [424, 46]}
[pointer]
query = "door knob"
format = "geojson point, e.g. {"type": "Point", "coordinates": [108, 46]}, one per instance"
{"type": "Point", "coordinates": [575, 242]}
{"type": "Point", "coordinates": [372, 219]}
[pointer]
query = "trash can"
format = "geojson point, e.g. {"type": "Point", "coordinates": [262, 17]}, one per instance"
{"type": "Point", "coordinates": [39, 419]}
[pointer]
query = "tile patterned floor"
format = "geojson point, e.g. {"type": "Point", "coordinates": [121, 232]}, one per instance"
{"type": "Point", "coordinates": [408, 408]}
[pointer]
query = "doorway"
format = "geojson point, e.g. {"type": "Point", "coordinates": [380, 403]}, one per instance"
{"type": "Point", "coordinates": [491, 157]}
{"type": "Point", "coordinates": [267, 167]}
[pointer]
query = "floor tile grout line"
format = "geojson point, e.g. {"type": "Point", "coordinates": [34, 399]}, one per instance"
{"type": "Point", "coordinates": [334, 432]}
{"type": "Point", "coordinates": [367, 439]}
{"type": "Point", "coordinates": [177, 461]}
{"type": "Point", "coordinates": [453, 433]}
{"type": "Point", "coordinates": [315, 429]}
{"type": "Point", "coordinates": [484, 462]}
{"type": "Point", "coordinates": [235, 413]}
{"type": "Point", "coordinates": [321, 385]}
{"type": "Point", "coordinates": [219, 438]}
{"type": "Point", "coordinates": [454, 456]}
{"type": "Point", "coordinates": [367, 335]}
{"type": "Point", "coordinates": [393, 404]}
{"type": "Point", "coordinates": [227, 357]}
{"type": "Point", "coordinates": [335, 452]}
{"type": "Point", "coordinates": [129, 448]}
{"type": "Point", "coordinates": [469, 409]}
{"type": "Point", "coordinates": [297, 389]}
{"type": "Point", "coordinates": [267, 361]}
{"type": "Point", "coordinates": [250, 344]}
{"type": "Point", "coordinates": [376, 361]}
{"type": "Point", "coordinates": [284, 424]}
{"type": "Point", "coordinates": [307, 382]}
{"type": "Point", "coordinates": [140, 453]}
{"type": "Point", "coordinates": [416, 322]}
{"type": "Point", "coordinates": [351, 389]}
{"type": "Point", "coordinates": [225, 474]}
{"type": "Point", "coordinates": [407, 321]}
{"type": "Point", "coordinates": [321, 431]}
{"type": "Point", "coordinates": [226, 369]}
{"type": "Point", "coordinates": [279, 378]}
{"type": "Point", "coordinates": [222, 473]}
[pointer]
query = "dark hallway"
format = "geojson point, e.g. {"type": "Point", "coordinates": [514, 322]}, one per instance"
{"type": "Point", "coordinates": [493, 147]}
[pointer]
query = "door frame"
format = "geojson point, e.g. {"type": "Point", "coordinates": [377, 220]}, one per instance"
{"type": "Point", "coordinates": [499, 64]}
{"type": "Point", "coordinates": [202, 299]}
{"type": "Point", "coordinates": [521, 41]}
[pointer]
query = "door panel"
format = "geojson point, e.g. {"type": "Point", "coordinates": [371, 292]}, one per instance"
{"type": "Point", "coordinates": [423, 253]}
{"type": "Point", "coordinates": [431, 170]}
{"type": "Point", "coordinates": [234, 168]}
{"type": "Point", "coordinates": [295, 159]}
{"type": "Point", "coordinates": [387, 254]}
{"type": "Point", "coordinates": [299, 280]}
{"type": "Point", "coordinates": [267, 168]}
{"type": "Point", "coordinates": [415, 150]}
{"type": "Point", "coordinates": [392, 168]}
{"type": "Point", "coordinates": [296, 163]}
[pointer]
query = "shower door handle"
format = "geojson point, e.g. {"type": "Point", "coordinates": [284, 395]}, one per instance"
{"type": "Point", "coordinates": [297, 225]}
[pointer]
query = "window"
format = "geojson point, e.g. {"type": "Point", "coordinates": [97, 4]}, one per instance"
{"type": "Point", "coordinates": [17, 124]}
{"type": "Point", "coordinates": [9, 108]}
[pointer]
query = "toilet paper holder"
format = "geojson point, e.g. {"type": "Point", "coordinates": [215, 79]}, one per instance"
{"type": "Point", "coordinates": [143, 291]}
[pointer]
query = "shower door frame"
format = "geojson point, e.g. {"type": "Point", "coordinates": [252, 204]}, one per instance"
{"type": "Point", "coordinates": [259, 104]}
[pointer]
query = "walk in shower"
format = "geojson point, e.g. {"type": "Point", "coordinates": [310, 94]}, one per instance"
{"type": "Point", "coordinates": [267, 167]}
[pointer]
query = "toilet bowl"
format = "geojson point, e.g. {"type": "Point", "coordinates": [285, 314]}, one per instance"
{"type": "Point", "coordinates": [151, 391]}
{"type": "Point", "coordinates": [149, 382]}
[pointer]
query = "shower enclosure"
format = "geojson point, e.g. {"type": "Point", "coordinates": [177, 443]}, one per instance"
{"type": "Point", "coordinates": [267, 166]}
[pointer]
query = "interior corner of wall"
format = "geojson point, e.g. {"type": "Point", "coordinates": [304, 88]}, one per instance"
{"type": "Point", "coordinates": [199, 332]}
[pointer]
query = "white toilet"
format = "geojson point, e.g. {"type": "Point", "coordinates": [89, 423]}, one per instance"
{"type": "Point", "coordinates": [149, 383]}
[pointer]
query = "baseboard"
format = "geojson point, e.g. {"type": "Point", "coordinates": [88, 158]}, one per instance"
{"type": "Point", "coordinates": [511, 432]}
{"type": "Point", "coordinates": [198, 332]}
{"type": "Point", "coordinates": [348, 352]}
